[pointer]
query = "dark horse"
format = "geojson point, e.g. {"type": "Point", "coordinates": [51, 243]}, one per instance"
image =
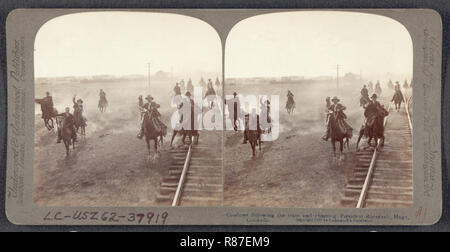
{"type": "Point", "coordinates": [338, 133]}
{"type": "Point", "coordinates": [67, 135]}
{"type": "Point", "coordinates": [290, 105]}
{"type": "Point", "coordinates": [152, 130]}
{"type": "Point", "coordinates": [374, 130]}
{"type": "Point", "coordinates": [102, 104]}
{"type": "Point", "coordinates": [48, 113]}
{"type": "Point", "coordinates": [254, 138]}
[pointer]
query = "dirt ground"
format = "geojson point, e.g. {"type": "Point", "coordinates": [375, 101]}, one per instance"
{"type": "Point", "coordinates": [109, 166]}
{"type": "Point", "coordinates": [297, 169]}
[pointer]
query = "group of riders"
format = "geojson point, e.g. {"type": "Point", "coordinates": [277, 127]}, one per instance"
{"type": "Point", "coordinates": [336, 126]}
{"type": "Point", "coordinates": [374, 112]}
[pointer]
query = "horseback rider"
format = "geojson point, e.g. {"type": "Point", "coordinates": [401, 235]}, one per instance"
{"type": "Point", "coordinates": [371, 111]}
{"type": "Point", "coordinates": [338, 110]}
{"type": "Point", "coordinates": [182, 87]}
{"type": "Point", "coordinates": [365, 92]}
{"type": "Point", "coordinates": [189, 124]}
{"type": "Point", "coordinates": [234, 109]}
{"type": "Point", "coordinates": [265, 109]}
{"type": "Point", "coordinates": [378, 88]}
{"type": "Point", "coordinates": [397, 85]}
{"type": "Point", "coordinates": [47, 106]}
{"type": "Point", "coordinates": [147, 109]}
{"type": "Point", "coordinates": [69, 122]}
{"type": "Point", "coordinates": [370, 87]}
{"type": "Point", "coordinates": [102, 102]}
{"type": "Point", "coordinates": [398, 99]}
{"type": "Point", "coordinates": [390, 84]}
{"type": "Point", "coordinates": [78, 112]}
{"type": "Point", "coordinates": [177, 89]}
{"type": "Point", "coordinates": [179, 125]}
{"type": "Point", "coordinates": [217, 83]}
{"type": "Point", "coordinates": [290, 95]}
{"type": "Point", "coordinates": [190, 87]}
{"type": "Point", "coordinates": [405, 85]}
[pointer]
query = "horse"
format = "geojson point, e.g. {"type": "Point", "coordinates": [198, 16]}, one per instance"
{"type": "Point", "coordinates": [80, 124]}
{"type": "Point", "coordinates": [398, 99]}
{"type": "Point", "coordinates": [47, 113]}
{"type": "Point", "coordinates": [338, 133]}
{"type": "Point", "coordinates": [290, 105]}
{"type": "Point", "coordinates": [363, 101]}
{"type": "Point", "coordinates": [375, 130]}
{"type": "Point", "coordinates": [254, 138]}
{"type": "Point", "coordinates": [152, 131]}
{"type": "Point", "coordinates": [378, 90]}
{"type": "Point", "coordinates": [67, 135]}
{"type": "Point", "coordinates": [102, 104]}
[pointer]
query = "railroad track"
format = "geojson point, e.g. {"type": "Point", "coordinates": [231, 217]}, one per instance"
{"type": "Point", "coordinates": [384, 178]}
{"type": "Point", "coordinates": [195, 175]}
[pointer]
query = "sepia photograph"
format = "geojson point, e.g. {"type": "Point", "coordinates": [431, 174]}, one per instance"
{"type": "Point", "coordinates": [119, 105]}
{"type": "Point", "coordinates": [318, 111]}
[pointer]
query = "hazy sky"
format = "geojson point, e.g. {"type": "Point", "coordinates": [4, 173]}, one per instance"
{"type": "Point", "coordinates": [313, 43]}
{"type": "Point", "coordinates": [121, 43]}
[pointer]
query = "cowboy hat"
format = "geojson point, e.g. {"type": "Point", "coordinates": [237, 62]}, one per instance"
{"type": "Point", "coordinates": [149, 97]}
{"type": "Point", "coordinates": [374, 96]}
{"type": "Point", "coordinates": [335, 99]}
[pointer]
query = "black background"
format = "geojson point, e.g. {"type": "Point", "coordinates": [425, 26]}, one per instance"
{"type": "Point", "coordinates": [441, 6]}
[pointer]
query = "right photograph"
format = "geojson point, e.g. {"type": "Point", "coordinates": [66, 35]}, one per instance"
{"type": "Point", "coordinates": [318, 109]}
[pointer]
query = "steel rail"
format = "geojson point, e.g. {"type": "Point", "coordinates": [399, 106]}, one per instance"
{"type": "Point", "coordinates": [365, 188]}
{"type": "Point", "coordinates": [179, 191]}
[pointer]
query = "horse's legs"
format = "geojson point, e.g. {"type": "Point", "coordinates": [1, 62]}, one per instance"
{"type": "Point", "coordinates": [148, 145]}
{"type": "Point", "coordinates": [156, 144]}
{"type": "Point", "coordinates": [334, 147]}
{"type": "Point", "coordinates": [252, 144]}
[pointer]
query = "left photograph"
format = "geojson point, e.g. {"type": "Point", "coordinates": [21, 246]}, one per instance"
{"type": "Point", "coordinates": [121, 99]}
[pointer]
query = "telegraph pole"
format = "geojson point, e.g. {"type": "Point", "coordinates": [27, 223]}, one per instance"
{"type": "Point", "coordinates": [148, 64]}
{"type": "Point", "coordinates": [337, 76]}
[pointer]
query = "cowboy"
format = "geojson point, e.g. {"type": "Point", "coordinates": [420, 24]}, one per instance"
{"type": "Point", "coordinates": [370, 87]}
{"type": "Point", "coordinates": [190, 87]}
{"type": "Point", "coordinates": [371, 111]}
{"type": "Point", "coordinates": [177, 89]}
{"type": "Point", "coordinates": [191, 131]}
{"type": "Point", "coordinates": [178, 125]}
{"type": "Point", "coordinates": [217, 82]}
{"type": "Point", "coordinates": [290, 94]}
{"type": "Point", "coordinates": [378, 88]}
{"type": "Point", "coordinates": [365, 92]}
{"type": "Point", "coordinates": [290, 98]}
{"type": "Point", "coordinates": [338, 109]}
{"type": "Point", "coordinates": [405, 85]}
{"type": "Point", "coordinates": [210, 84]}
{"type": "Point", "coordinates": [102, 101]}
{"type": "Point", "coordinates": [397, 99]}
{"type": "Point", "coordinates": [236, 108]}
{"type": "Point", "coordinates": [149, 107]}
{"type": "Point", "coordinates": [265, 109]}
{"type": "Point", "coordinates": [68, 122]}
{"type": "Point", "coordinates": [182, 85]}
{"type": "Point", "coordinates": [47, 105]}
{"type": "Point", "coordinates": [78, 111]}
{"type": "Point", "coordinates": [397, 85]}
